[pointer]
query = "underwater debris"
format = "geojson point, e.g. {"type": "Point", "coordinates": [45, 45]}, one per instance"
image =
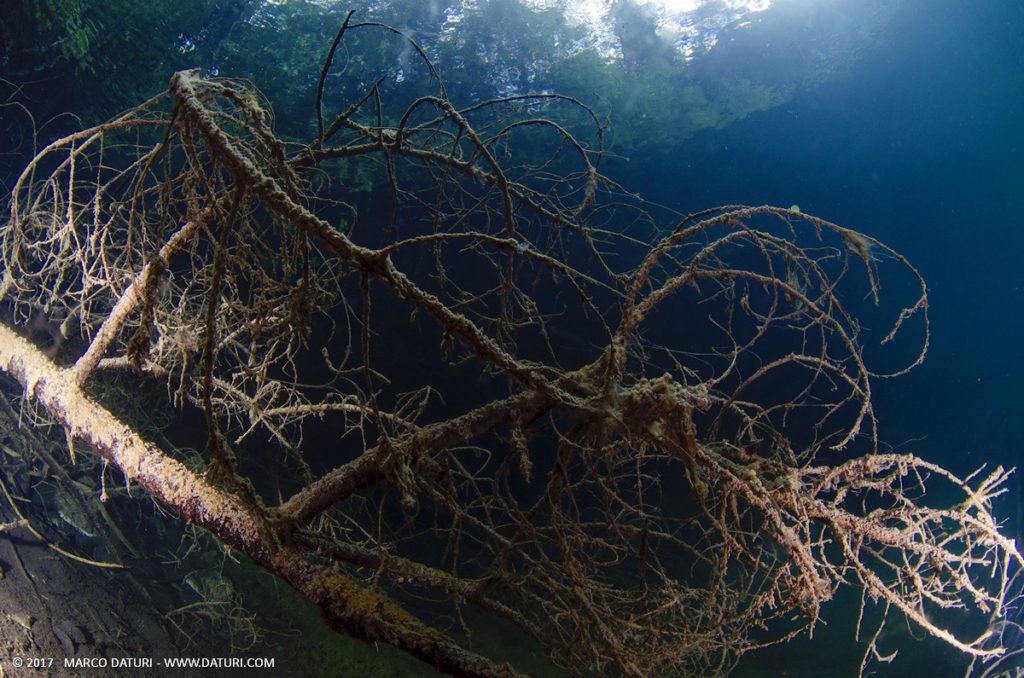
{"type": "Point", "coordinates": [860, 245]}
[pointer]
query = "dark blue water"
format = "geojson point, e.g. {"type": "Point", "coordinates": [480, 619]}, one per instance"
{"type": "Point", "coordinates": [922, 146]}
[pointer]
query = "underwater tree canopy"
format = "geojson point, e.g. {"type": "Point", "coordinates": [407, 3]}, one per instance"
{"type": "Point", "coordinates": [443, 362]}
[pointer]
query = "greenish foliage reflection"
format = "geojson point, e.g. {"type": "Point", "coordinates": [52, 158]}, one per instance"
{"type": "Point", "coordinates": [96, 57]}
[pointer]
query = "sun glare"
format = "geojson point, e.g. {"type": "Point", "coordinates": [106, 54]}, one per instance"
{"type": "Point", "coordinates": [596, 8]}
{"type": "Point", "coordinates": [693, 5]}
{"type": "Point", "coordinates": [679, 21]}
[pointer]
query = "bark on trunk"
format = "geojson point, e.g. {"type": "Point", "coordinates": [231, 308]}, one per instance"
{"type": "Point", "coordinates": [347, 605]}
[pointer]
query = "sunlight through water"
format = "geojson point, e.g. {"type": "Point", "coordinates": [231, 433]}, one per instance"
{"type": "Point", "coordinates": [691, 26]}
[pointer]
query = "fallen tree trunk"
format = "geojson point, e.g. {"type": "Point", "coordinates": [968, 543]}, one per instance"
{"type": "Point", "coordinates": [347, 606]}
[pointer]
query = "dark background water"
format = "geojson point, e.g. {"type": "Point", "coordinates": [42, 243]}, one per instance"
{"type": "Point", "coordinates": [922, 146]}
{"type": "Point", "coordinates": [920, 143]}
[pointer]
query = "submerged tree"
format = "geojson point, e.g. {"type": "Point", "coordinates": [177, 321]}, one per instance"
{"type": "Point", "coordinates": [695, 478]}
